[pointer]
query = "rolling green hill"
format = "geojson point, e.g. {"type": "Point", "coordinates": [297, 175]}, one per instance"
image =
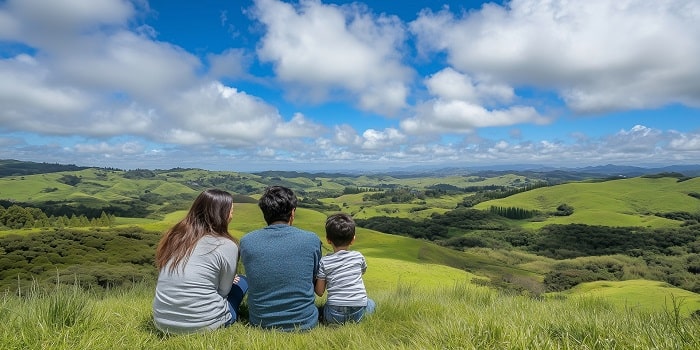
{"type": "Point", "coordinates": [639, 294]}
{"type": "Point", "coordinates": [624, 202]}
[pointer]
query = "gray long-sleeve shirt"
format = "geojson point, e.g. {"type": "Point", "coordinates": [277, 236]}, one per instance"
{"type": "Point", "coordinates": [194, 298]}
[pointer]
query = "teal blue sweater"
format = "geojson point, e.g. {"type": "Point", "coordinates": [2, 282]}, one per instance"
{"type": "Point", "coordinates": [281, 262]}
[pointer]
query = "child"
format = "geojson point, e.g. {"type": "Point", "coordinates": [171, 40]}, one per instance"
{"type": "Point", "coordinates": [341, 273]}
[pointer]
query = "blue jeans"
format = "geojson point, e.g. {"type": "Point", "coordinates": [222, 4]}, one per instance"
{"type": "Point", "coordinates": [235, 297]}
{"type": "Point", "coordinates": [342, 314]}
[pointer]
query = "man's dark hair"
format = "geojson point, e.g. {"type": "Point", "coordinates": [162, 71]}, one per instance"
{"type": "Point", "coordinates": [277, 203]}
{"type": "Point", "coordinates": [340, 229]}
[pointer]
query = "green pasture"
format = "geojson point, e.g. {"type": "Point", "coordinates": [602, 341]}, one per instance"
{"type": "Point", "coordinates": [418, 209]}
{"type": "Point", "coordinates": [350, 201]}
{"type": "Point", "coordinates": [625, 202]}
{"type": "Point", "coordinates": [461, 181]}
{"type": "Point", "coordinates": [91, 190]}
{"type": "Point", "coordinates": [170, 188]}
{"type": "Point", "coordinates": [31, 187]}
{"type": "Point", "coordinates": [147, 224]}
{"type": "Point", "coordinates": [639, 294]}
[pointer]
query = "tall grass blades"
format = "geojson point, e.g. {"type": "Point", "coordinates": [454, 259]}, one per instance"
{"type": "Point", "coordinates": [448, 316]}
{"type": "Point", "coordinates": [64, 308]}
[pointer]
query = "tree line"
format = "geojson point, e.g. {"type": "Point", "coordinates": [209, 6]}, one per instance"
{"type": "Point", "coordinates": [18, 217]}
{"type": "Point", "coordinates": [514, 213]}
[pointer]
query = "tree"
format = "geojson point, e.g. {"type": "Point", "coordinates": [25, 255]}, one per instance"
{"type": "Point", "coordinates": [564, 210]}
{"type": "Point", "coordinates": [70, 180]}
{"type": "Point", "coordinates": [16, 217]}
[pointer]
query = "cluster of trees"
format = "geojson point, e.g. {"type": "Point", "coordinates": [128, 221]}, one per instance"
{"type": "Point", "coordinates": [514, 213]}
{"type": "Point", "coordinates": [578, 240]}
{"type": "Point", "coordinates": [10, 167]}
{"type": "Point", "coordinates": [487, 193]}
{"type": "Point", "coordinates": [313, 203]}
{"type": "Point", "coordinates": [568, 274]}
{"type": "Point", "coordinates": [18, 217]}
{"type": "Point", "coordinates": [130, 209]}
{"type": "Point", "coordinates": [402, 195]}
{"type": "Point", "coordinates": [139, 174]}
{"type": "Point", "coordinates": [69, 179]}
{"type": "Point", "coordinates": [687, 218]}
{"type": "Point", "coordinates": [564, 210]}
{"type": "Point", "coordinates": [438, 227]}
{"type": "Point", "coordinates": [102, 258]}
{"type": "Point", "coordinates": [228, 182]}
{"type": "Point", "coordinates": [356, 189]}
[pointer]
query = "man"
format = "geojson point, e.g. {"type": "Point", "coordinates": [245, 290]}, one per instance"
{"type": "Point", "coordinates": [281, 262]}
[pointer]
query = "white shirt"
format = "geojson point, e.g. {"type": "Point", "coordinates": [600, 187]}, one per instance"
{"type": "Point", "coordinates": [343, 271]}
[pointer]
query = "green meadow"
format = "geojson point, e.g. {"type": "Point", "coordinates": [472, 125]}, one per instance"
{"type": "Point", "coordinates": [430, 296]}
{"type": "Point", "coordinates": [624, 202]}
{"type": "Point", "coordinates": [639, 294]}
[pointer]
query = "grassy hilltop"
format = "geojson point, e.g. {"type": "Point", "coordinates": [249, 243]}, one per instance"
{"type": "Point", "coordinates": [430, 296]}
{"type": "Point", "coordinates": [624, 202]}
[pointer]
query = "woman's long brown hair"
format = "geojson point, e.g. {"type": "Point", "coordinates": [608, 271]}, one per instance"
{"type": "Point", "coordinates": [209, 215]}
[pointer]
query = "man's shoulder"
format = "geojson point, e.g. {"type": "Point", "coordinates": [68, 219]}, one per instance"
{"type": "Point", "coordinates": [301, 233]}
{"type": "Point", "coordinates": [250, 236]}
{"type": "Point", "coordinates": [308, 233]}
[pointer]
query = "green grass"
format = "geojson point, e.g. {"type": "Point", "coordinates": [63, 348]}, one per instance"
{"type": "Point", "coordinates": [626, 202]}
{"type": "Point", "coordinates": [446, 313]}
{"type": "Point", "coordinates": [640, 294]}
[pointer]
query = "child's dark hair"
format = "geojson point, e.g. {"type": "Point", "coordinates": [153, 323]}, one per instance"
{"type": "Point", "coordinates": [340, 229]}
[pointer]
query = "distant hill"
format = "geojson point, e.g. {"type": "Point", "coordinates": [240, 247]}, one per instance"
{"type": "Point", "coordinates": [11, 167]}
{"type": "Point", "coordinates": [533, 171]}
{"type": "Point", "coordinates": [624, 202]}
{"type": "Point", "coordinates": [58, 189]}
{"type": "Point", "coordinates": [557, 174]}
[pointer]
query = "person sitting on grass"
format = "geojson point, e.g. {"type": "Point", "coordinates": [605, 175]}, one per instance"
{"type": "Point", "coordinates": [341, 273]}
{"type": "Point", "coordinates": [197, 287]}
{"type": "Point", "coordinates": [281, 261]}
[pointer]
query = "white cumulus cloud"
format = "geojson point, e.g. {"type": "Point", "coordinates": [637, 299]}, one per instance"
{"type": "Point", "coordinates": [599, 55]}
{"type": "Point", "coordinates": [317, 49]}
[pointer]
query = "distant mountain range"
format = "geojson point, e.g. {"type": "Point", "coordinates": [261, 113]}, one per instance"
{"type": "Point", "coordinates": [11, 167]}
{"type": "Point", "coordinates": [540, 171]}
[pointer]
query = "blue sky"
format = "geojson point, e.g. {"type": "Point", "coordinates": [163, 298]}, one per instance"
{"type": "Point", "coordinates": [330, 85]}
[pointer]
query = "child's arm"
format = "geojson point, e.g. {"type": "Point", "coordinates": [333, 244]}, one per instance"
{"type": "Point", "coordinates": [320, 287]}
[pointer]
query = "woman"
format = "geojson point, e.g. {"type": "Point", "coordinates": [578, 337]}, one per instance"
{"type": "Point", "coordinates": [197, 260]}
